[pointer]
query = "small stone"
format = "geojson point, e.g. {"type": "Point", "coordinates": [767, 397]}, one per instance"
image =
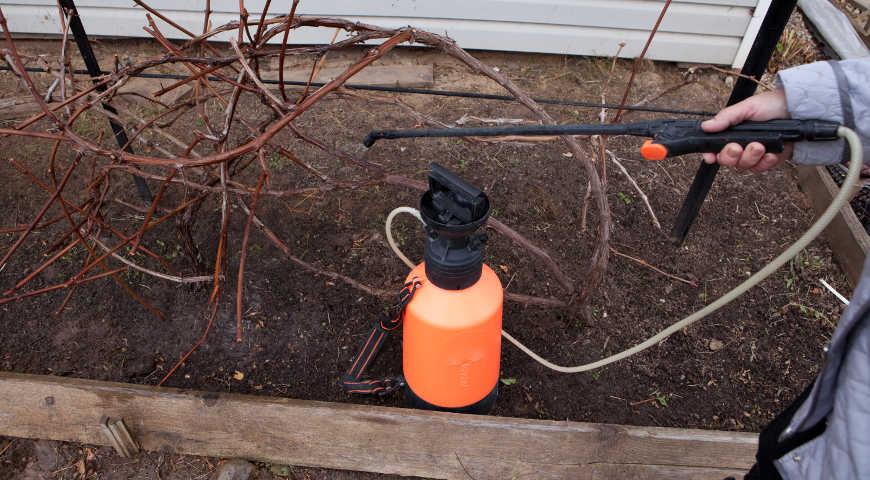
{"type": "Point", "coordinates": [234, 469]}
{"type": "Point", "coordinates": [716, 345]}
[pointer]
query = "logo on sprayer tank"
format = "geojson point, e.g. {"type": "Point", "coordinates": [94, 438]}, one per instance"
{"type": "Point", "coordinates": [464, 367]}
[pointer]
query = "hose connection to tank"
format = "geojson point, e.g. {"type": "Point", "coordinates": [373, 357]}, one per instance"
{"type": "Point", "coordinates": [856, 157]}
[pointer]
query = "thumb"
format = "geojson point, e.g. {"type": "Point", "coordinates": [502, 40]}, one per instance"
{"type": "Point", "coordinates": [728, 117]}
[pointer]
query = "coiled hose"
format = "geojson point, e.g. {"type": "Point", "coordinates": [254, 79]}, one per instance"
{"type": "Point", "coordinates": [856, 157]}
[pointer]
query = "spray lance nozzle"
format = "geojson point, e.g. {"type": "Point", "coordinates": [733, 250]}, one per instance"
{"type": "Point", "coordinates": [453, 210]}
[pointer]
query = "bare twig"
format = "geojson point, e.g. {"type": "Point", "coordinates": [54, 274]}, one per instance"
{"type": "Point", "coordinates": [653, 268]}
{"type": "Point", "coordinates": [637, 188]}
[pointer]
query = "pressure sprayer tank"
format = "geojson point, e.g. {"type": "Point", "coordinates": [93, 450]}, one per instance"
{"type": "Point", "coordinates": [452, 327]}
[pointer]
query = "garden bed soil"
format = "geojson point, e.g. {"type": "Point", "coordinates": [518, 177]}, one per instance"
{"type": "Point", "coordinates": [732, 371]}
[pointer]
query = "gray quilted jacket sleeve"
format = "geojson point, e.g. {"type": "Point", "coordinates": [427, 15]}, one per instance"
{"type": "Point", "coordinates": [822, 90]}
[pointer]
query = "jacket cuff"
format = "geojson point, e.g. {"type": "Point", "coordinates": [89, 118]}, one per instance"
{"type": "Point", "coordinates": [811, 92]}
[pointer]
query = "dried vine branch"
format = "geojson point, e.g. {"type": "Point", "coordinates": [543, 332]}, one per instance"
{"type": "Point", "coordinates": [220, 158]}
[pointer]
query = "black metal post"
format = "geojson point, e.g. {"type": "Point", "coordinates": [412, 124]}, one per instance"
{"type": "Point", "coordinates": [756, 63]}
{"type": "Point", "coordinates": [81, 38]}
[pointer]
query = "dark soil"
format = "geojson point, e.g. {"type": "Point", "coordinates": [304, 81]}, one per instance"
{"type": "Point", "coordinates": [733, 371]}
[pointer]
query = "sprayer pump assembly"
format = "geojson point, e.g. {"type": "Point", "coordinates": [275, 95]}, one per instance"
{"type": "Point", "coordinates": [451, 304]}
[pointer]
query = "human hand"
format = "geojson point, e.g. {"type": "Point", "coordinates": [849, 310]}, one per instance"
{"type": "Point", "coordinates": [761, 107]}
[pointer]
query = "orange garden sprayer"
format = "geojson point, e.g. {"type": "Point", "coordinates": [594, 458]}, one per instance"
{"type": "Point", "coordinates": [450, 308]}
{"type": "Point", "coordinates": [451, 304]}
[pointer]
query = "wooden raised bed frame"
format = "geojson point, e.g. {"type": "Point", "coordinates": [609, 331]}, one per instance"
{"type": "Point", "coordinates": [393, 440]}
{"type": "Point", "coordinates": [361, 437]}
{"type": "Point", "coordinates": [846, 235]}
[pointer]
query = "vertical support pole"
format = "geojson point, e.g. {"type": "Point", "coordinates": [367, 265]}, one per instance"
{"type": "Point", "coordinates": [756, 63]}
{"type": "Point", "coordinates": [81, 38]}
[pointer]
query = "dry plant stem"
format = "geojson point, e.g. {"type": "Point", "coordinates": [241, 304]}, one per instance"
{"type": "Point", "coordinates": [284, 49]}
{"type": "Point", "coordinates": [42, 267]}
{"type": "Point", "coordinates": [211, 316]}
{"type": "Point", "coordinates": [584, 207]}
{"type": "Point", "coordinates": [64, 20]}
{"type": "Point", "coordinates": [501, 228]}
{"type": "Point", "coordinates": [178, 27]}
{"type": "Point", "coordinates": [240, 283]}
{"type": "Point", "coordinates": [316, 67]}
{"type": "Point", "coordinates": [602, 116]}
{"type": "Point", "coordinates": [67, 284]}
{"type": "Point", "coordinates": [81, 209]}
{"type": "Point", "coordinates": [667, 91]}
{"type": "Point", "coordinates": [154, 203]}
{"type": "Point", "coordinates": [193, 67]}
{"type": "Point", "coordinates": [127, 239]}
{"type": "Point", "coordinates": [637, 188]}
{"type": "Point", "coordinates": [194, 77]}
{"type": "Point", "coordinates": [764, 85]}
{"type": "Point", "coordinates": [598, 264]}
{"type": "Point", "coordinates": [653, 268]}
{"type": "Point", "coordinates": [22, 227]}
{"type": "Point", "coordinates": [534, 249]}
{"type": "Point", "coordinates": [534, 301]}
{"type": "Point", "coordinates": [42, 212]}
{"type": "Point", "coordinates": [262, 19]}
{"type": "Point", "coordinates": [66, 206]}
{"type": "Point", "coordinates": [222, 236]}
{"type": "Point", "coordinates": [259, 142]}
{"type": "Point", "coordinates": [639, 60]}
{"type": "Point", "coordinates": [307, 266]}
{"type": "Point", "coordinates": [152, 125]}
{"type": "Point", "coordinates": [72, 290]}
{"type": "Point", "coordinates": [153, 273]}
{"type": "Point", "coordinates": [253, 76]}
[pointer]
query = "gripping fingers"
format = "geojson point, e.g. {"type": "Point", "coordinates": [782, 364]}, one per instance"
{"type": "Point", "coordinates": [730, 155]}
{"type": "Point", "coordinates": [751, 156]}
{"type": "Point", "coordinates": [768, 161]}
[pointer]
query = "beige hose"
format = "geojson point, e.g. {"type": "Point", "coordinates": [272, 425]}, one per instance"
{"type": "Point", "coordinates": [856, 157]}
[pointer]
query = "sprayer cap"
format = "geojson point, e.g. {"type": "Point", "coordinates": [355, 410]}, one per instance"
{"type": "Point", "coordinates": [453, 210]}
{"type": "Point", "coordinates": [452, 206]}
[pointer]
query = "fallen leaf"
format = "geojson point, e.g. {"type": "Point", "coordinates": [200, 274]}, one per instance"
{"type": "Point", "coordinates": [237, 375]}
{"type": "Point", "coordinates": [280, 470]}
{"type": "Point", "coordinates": [504, 268]}
{"type": "Point", "coordinates": [508, 381]}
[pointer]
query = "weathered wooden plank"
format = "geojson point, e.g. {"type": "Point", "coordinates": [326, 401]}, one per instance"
{"type": "Point", "coordinates": [418, 76]}
{"type": "Point", "coordinates": [360, 437]}
{"type": "Point", "coordinates": [847, 236]}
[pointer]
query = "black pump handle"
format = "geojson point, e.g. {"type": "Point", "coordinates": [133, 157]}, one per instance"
{"type": "Point", "coordinates": [463, 200]}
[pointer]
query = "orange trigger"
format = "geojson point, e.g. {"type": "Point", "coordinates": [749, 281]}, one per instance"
{"type": "Point", "coordinates": [653, 151]}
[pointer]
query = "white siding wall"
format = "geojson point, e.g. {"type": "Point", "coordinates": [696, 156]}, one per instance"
{"type": "Point", "coordinates": [709, 31]}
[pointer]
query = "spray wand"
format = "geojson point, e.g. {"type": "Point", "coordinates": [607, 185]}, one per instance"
{"type": "Point", "coordinates": [669, 138]}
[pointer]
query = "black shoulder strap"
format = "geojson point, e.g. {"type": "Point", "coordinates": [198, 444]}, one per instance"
{"type": "Point", "coordinates": [352, 381]}
{"type": "Point", "coordinates": [771, 449]}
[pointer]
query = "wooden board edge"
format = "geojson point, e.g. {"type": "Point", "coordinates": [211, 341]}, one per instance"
{"type": "Point", "coordinates": [360, 437]}
{"type": "Point", "coordinates": [847, 237]}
